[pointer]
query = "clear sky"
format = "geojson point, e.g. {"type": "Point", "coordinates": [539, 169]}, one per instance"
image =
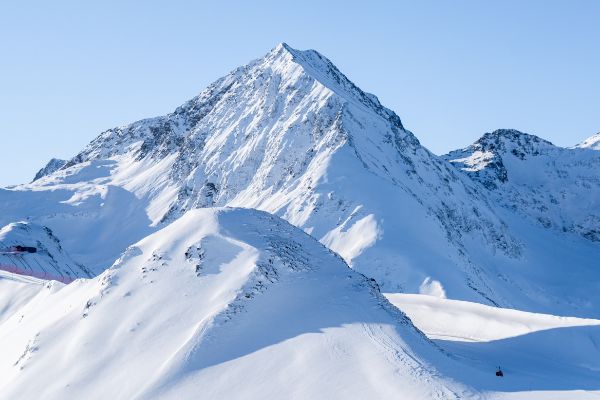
{"type": "Point", "coordinates": [452, 70]}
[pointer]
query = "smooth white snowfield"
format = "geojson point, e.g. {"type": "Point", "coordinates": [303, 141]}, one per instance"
{"type": "Point", "coordinates": [472, 322]}
{"type": "Point", "coordinates": [221, 304]}
{"type": "Point", "coordinates": [542, 356]}
{"type": "Point", "coordinates": [291, 135]}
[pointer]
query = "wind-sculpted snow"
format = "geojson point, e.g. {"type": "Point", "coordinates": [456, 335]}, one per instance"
{"type": "Point", "coordinates": [219, 304]}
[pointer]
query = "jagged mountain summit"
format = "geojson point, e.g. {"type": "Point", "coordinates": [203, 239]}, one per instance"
{"type": "Point", "coordinates": [291, 135]}
{"type": "Point", "coordinates": [559, 188]}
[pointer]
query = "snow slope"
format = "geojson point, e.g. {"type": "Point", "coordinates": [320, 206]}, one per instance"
{"type": "Point", "coordinates": [222, 303]}
{"type": "Point", "coordinates": [593, 142]}
{"type": "Point", "coordinates": [50, 261]}
{"type": "Point", "coordinates": [542, 356]}
{"type": "Point", "coordinates": [472, 322]}
{"type": "Point", "coordinates": [16, 291]}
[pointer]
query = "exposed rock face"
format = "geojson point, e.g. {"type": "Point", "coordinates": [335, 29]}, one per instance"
{"type": "Point", "coordinates": [52, 166]}
{"type": "Point", "coordinates": [554, 186]}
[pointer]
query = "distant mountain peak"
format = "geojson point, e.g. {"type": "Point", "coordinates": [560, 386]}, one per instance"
{"type": "Point", "coordinates": [518, 142]}
{"type": "Point", "coordinates": [593, 142]}
{"type": "Point", "coordinates": [486, 157]}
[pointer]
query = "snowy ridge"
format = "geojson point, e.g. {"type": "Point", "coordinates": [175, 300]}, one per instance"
{"type": "Point", "coordinates": [255, 297]}
{"type": "Point", "coordinates": [50, 260]}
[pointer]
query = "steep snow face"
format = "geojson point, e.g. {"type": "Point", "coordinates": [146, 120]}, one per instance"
{"type": "Point", "coordinates": [556, 187]}
{"type": "Point", "coordinates": [49, 261]}
{"type": "Point", "coordinates": [593, 143]}
{"type": "Point", "coordinates": [225, 303]}
{"type": "Point", "coordinates": [52, 166]}
{"type": "Point", "coordinates": [291, 135]}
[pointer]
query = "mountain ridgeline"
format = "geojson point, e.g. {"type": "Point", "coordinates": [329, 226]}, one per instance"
{"type": "Point", "coordinates": [500, 222]}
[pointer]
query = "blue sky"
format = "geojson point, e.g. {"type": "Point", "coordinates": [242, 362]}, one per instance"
{"type": "Point", "coordinates": [452, 70]}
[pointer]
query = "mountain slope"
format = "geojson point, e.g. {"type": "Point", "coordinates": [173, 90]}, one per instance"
{"type": "Point", "coordinates": [219, 304]}
{"type": "Point", "coordinates": [556, 187]}
{"type": "Point", "coordinates": [291, 135]}
{"type": "Point", "coordinates": [593, 142]}
{"type": "Point", "coordinates": [527, 346]}
{"type": "Point", "coordinates": [48, 261]}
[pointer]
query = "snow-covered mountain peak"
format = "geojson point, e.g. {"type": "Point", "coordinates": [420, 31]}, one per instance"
{"type": "Point", "coordinates": [285, 85]}
{"type": "Point", "coordinates": [323, 70]}
{"type": "Point", "coordinates": [593, 143]}
{"type": "Point", "coordinates": [487, 156]}
{"type": "Point", "coordinates": [518, 143]}
{"type": "Point", "coordinates": [552, 184]}
{"type": "Point", "coordinates": [289, 134]}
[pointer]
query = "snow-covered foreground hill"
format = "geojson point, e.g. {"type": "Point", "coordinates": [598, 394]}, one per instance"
{"type": "Point", "coordinates": [291, 135]}
{"type": "Point", "coordinates": [221, 304]}
{"type": "Point", "coordinates": [239, 304]}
